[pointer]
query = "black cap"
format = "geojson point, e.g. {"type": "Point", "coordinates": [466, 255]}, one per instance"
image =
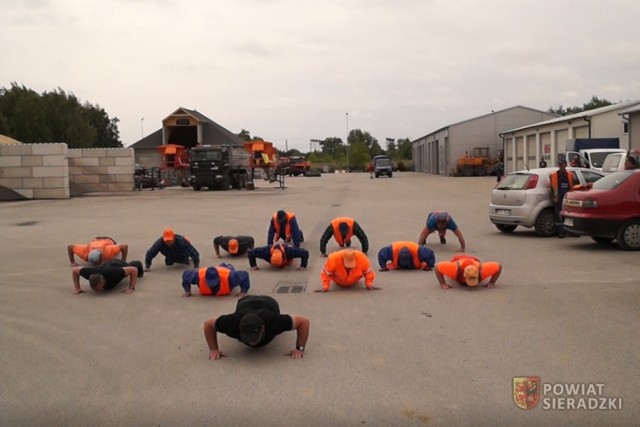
{"type": "Point", "coordinates": [250, 328]}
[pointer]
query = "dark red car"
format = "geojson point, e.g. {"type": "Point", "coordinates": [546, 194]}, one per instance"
{"type": "Point", "coordinates": [608, 211]}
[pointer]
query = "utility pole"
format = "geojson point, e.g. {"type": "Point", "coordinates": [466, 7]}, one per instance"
{"type": "Point", "coordinates": [347, 141]}
{"type": "Point", "coordinates": [142, 128]}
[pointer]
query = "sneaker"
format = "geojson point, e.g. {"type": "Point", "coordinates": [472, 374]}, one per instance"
{"type": "Point", "coordinates": [443, 240]}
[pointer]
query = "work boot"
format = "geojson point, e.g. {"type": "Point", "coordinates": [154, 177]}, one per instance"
{"type": "Point", "coordinates": [443, 239]}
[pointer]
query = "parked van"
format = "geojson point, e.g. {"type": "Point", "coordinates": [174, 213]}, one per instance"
{"type": "Point", "coordinates": [382, 165]}
{"type": "Point", "coordinates": [615, 161]}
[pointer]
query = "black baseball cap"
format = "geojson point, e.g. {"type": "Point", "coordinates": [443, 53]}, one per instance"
{"type": "Point", "coordinates": [251, 328]}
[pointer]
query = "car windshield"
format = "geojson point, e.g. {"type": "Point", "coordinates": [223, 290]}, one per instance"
{"type": "Point", "coordinates": [514, 181]}
{"type": "Point", "coordinates": [598, 158]}
{"type": "Point", "coordinates": [212, 155]}
{"type": "Point", "coordinates": [611, 162]}
{"type": "Point", "coordinates": [610, 182]}
{"type": "Point", "coordinates": [383, 162]}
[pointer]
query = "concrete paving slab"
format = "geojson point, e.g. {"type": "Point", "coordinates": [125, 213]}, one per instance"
{"type": "Point", "coordinates": [410, 354]}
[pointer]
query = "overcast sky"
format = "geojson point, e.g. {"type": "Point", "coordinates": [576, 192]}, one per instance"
{"type": "Point", "coordinates": [292, 69]}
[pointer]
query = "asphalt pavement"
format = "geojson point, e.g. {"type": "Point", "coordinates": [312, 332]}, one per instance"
{"type": "Point", "coordinates": [564, 310]}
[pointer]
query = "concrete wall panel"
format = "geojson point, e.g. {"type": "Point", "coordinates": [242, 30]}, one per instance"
{"type": "Point", "coordinates": [10, 161]}
{"type": "Point", "coordinates": [35, 160]}
{"type": "Point", "coordinates": [51, 170]}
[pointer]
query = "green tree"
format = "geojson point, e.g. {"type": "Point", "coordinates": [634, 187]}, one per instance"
{"type": "Point", "coordinates": [592, 104]}
{"type": "Point", "coordinates": [371, 143]}
{"type": "Point", "coordinates": [55, 117]}
{"type": "Point", "coordinates": [358, 156]}
{"type": "Point", "coordinates": [245, 135]}
{"type": "Point", "coordinates": [392, 150]}
{"type": "Point", "coordinates": [404, 149]}
{"type": "Point", "coordinates": [332, 146]}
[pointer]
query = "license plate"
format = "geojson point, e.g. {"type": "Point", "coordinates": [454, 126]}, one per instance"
{"type": "Point", "coordinates": [568, 222]}
{"type": "Point", "coordinates": [506, 212]}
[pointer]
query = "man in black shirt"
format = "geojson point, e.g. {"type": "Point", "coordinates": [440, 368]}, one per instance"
{"type": "Point", "coordinates": [256, 322]}
{"type": "Point", "coordinates": [235, 245]}
{"type": "Point", "coordinates": [108, 275]}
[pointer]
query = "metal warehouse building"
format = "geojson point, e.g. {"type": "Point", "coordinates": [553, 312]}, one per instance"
{"type": "Point", "coordinates": [525, 146]}
{"type": "Point", "coordinates": [438, 152]}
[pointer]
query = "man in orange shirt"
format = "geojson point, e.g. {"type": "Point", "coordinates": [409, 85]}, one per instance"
{"type": "Point", "coordinates": [467, 270]}
{"type": "Point", "coordinates": [346, 268]}
{"type": "Point", "coordinates": [99, 250]}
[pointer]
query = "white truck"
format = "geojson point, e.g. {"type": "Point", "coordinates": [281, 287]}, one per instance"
{"type": "Point", "coordinates": [591, 152]}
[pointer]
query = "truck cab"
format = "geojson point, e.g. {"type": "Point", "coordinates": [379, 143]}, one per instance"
{"type": "Point", "coordinates": [592, 158]}
{"type": "Point", "coordinates": [217, 167]}
{"type": "Point", "coordinates": [382, 165]}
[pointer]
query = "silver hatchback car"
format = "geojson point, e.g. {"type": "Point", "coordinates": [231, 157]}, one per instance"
{"type": "Point", "coordinates": [523, 199]}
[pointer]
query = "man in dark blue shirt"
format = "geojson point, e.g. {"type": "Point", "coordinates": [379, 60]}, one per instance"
{"type": "Point", "coordinates": [406, 255]}
{"type": "Point", "coordinates": [218, 281]}
{"type": "Point", "coordinates": [175, 248]}
{"type": "Point", "coordinates": [284, 226]}
{"type": "Point", "coordinates": [279, 256]}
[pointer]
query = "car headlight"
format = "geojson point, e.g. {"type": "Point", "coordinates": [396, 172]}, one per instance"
{"type": "Point", "coordinates": [589, 203]}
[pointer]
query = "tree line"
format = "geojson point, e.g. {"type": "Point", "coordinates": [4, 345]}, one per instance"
{"type": "Point", "coordinates": [56, 116]}
{"type": "Point", "coordinates": [356, 154]}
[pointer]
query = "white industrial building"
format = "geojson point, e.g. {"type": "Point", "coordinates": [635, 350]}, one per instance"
{"type": "Point", "coordinates": [438, 152]}
{"type": "Point", "coordinates": [525, 146]}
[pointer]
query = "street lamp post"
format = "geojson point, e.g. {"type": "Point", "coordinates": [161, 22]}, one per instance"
{"type": "Point", "coordinates": [142, 128]}
{"type": "Point", "coordinates": [347, 141]}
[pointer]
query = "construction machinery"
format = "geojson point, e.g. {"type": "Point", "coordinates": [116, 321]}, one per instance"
{"type": "Point", "coordinates": [479, 163]}
{"type": "Point", "coordinates": [174, 169]}
{"type": "Point", "coordinates": [294, 165]}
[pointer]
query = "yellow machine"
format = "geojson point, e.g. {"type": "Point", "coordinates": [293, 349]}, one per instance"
{"type": "Point", "coordinates": [479, 163]}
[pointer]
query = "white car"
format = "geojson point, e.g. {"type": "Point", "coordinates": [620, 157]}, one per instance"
{"type": "Point", "coordinates": [524, 199]}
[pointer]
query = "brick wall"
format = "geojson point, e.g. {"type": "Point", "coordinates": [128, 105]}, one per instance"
{"type": "Point", "coordinates": [35, 171]}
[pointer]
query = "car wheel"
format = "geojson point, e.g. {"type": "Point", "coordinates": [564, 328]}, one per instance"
{"type": "Point", "coordinates": [480, 170]}
{"type": "Point", "coordinates": [602, 240]}
{"type": "Point", "coordinates": [629, 235]}
{"type": "Point", "coordinates": [506, 228]}
{"type": "Point", "coordinates": [390, 174]}
{"type": "Point", "coordinates": [546, 223]}
{"type": "Point", "coordinates": [196, 187]}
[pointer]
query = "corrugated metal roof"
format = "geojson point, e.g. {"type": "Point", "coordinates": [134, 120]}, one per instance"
{"type": "Point", "coordinates": [478, 117]}
{"type": "Point", "coordinates": [631, 110]}
{"type": "Point", "coordinates": [212, 133]}
{"type": "Point", "coordinates": [152, 140]}
{"type": "Point", "coordinates": [576, 116]}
